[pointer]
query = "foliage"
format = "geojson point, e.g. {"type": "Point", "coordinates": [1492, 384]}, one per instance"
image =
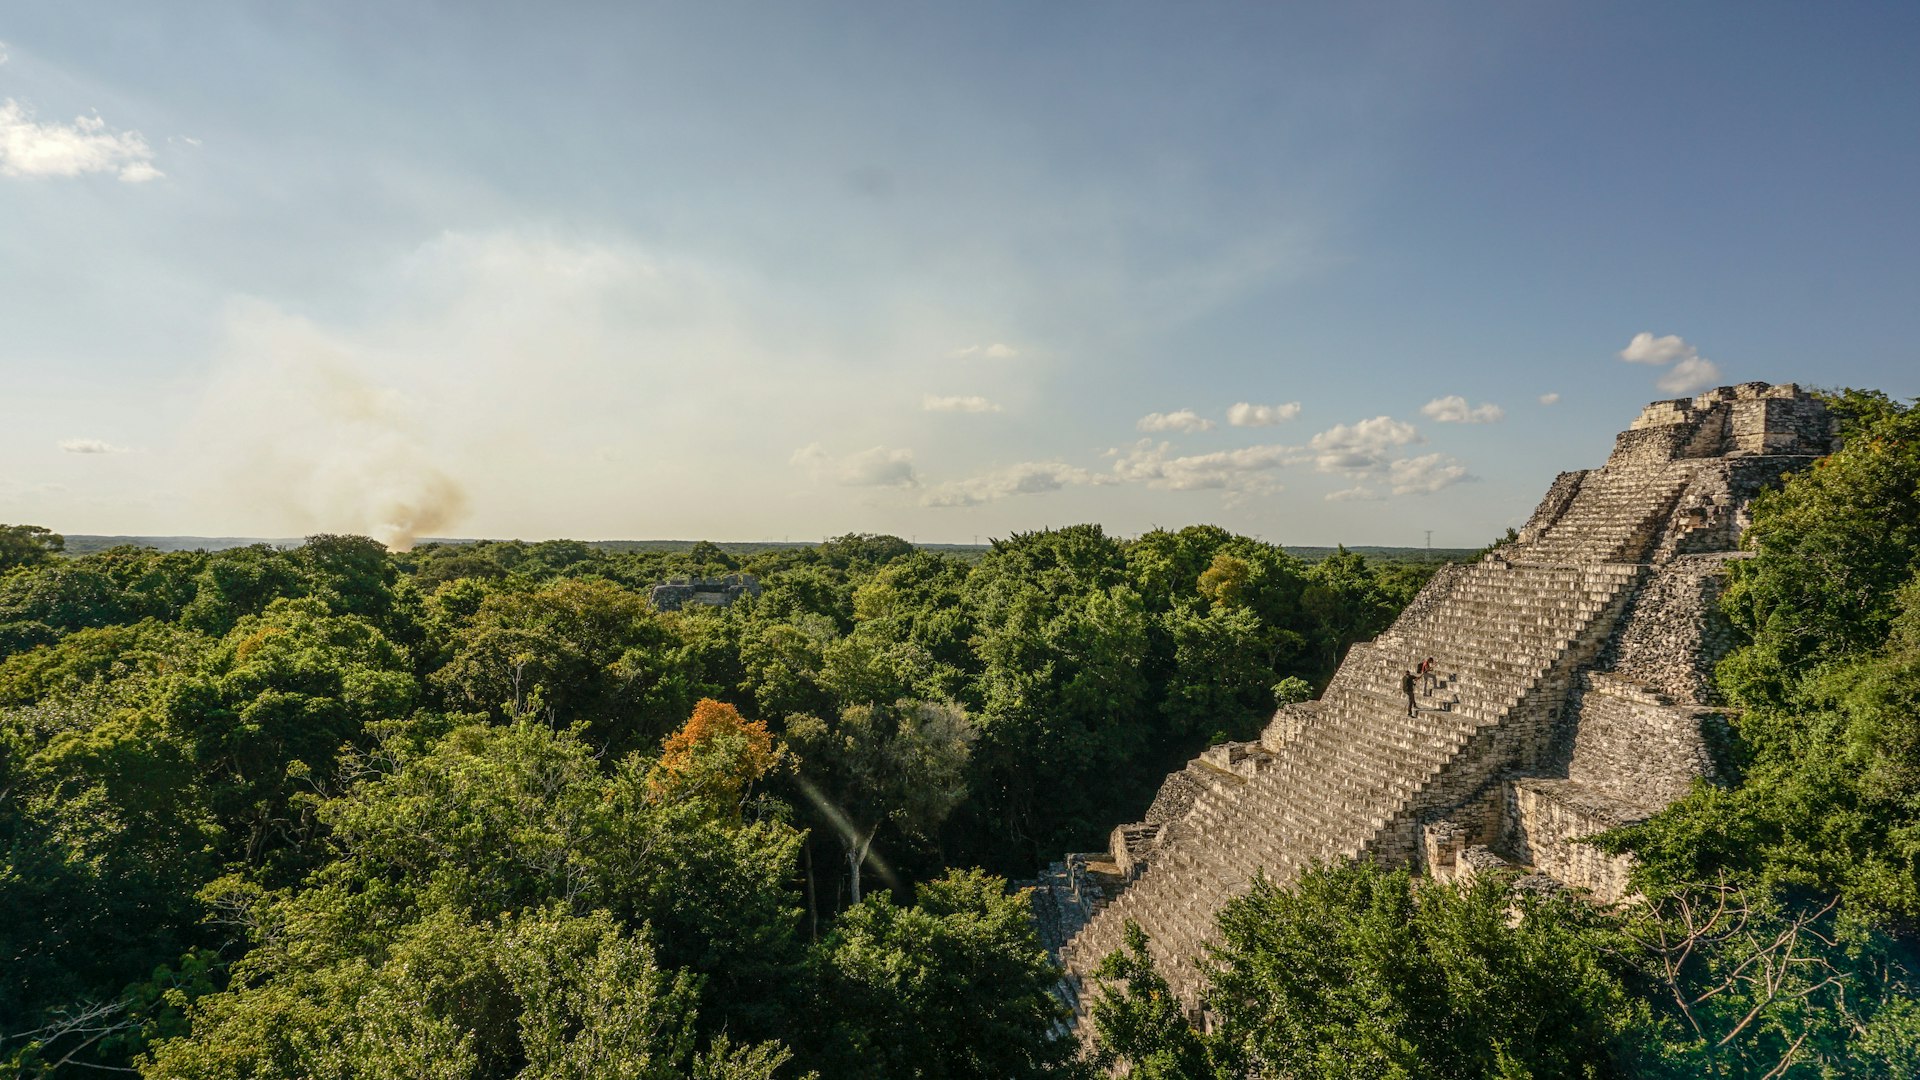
{"type": "Point", "coordinates": [955, 986]}
{"type": "Point", "coordinates": [901, 764]}
{"type": "Point", "coordinates": [1832, 551]}
{"type": "Point", "coordinates": [716, 756]}
{"type": "Point", "coordinates": [1140, 1024]}
{"type": "Point", "coordinates": [1063, 645]}
{"type": "Point", "coordinates": [1360, 972]}
{"type": "Point", "coordinates": [252, 797]}
{"type": "Point", "coordinates": [1759, 987]}
{"type": "Point", "coordinates": [28, 545]}
{"type": "Point", "coordinates": [542, 993]}
{"type": "Point", "coordinates": [585, 649]}
{"type": "Point", "coordinates": [442, 857]}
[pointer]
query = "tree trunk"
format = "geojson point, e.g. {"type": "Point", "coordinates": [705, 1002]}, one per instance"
{"type": "Point", "coordinates": [813, 902]}
{"type": "Point", "coordinates": [857, 857]}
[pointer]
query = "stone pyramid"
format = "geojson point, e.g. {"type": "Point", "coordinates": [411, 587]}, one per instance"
{"type": "Point", "coordinates": [1574, 695]}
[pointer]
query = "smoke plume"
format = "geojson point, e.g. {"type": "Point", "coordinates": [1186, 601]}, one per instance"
{"type": "Point", "coordinates": [304, 439]}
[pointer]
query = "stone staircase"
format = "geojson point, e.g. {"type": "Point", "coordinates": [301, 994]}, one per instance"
{"type": "Point", "coordinates": [1357, 775]}
{"type": "Point", "coordinates": [1496, 757]}
{"type": "Point", "coordinates": [1616, 516]}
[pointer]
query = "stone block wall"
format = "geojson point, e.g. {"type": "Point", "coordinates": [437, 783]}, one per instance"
{"type": "Point", "coordinates": [1674, 632]}
{"type": "Point", "coordinates": [1639, 747]}
{"type": "Point", "coordinates": [1543, 820]}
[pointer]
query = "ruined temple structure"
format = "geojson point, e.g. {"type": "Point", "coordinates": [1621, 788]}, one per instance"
{"type": "Point", "coordinates": [702, 592]}
{"type": "Point", "coordinates": [1575, 695]}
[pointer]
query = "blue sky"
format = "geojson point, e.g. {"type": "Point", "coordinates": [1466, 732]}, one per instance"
{"type": "Point", "coordinates": [775, 270]}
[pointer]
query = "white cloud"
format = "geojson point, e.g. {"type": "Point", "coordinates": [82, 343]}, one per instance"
{"type": "Point", "coordinates": [1365, 451]}
{"type": "Point", "coordinates": [90, 446]}
{"type": "Point", "coordinates": [1647, 349]}
{"type": "Point", "coordinates": [996, 351]}
{"type": "Point", "coordinates": [1426, 474]}
{"type": "Point", "coordinates": [1156, 466]}
{"type": "Point", "coordinates": [1026, 478]}
{"type": "Point", "coordinates": [1453, 409]}
{"type": "Point", "coordinates": [1361, 447]}
{"type": "Point", "coordinates": [877, 466]}
{"type": "Point", "coordinates": [1691, 372]}
{"type": "Point", "coordinates": [1690, 376]}
{"type": "Point", "coordinates": [1245, 414]}
{"type": "Point", "coordinates": [1179, 420]}
{"type": "Point", "coordinates": [1549, 399]}
{"type": "Point", "coordinates": [31, 148]}
{"type": "Point", "coordinates": [3, 52]}
{"type": "Point", "coordinates": [971, 403]}
{"type": "Point", "coordinates": [139, 172]}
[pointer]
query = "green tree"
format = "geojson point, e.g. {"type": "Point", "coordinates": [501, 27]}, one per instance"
{"type": "Point", "coordinates": [709, 559]}
{"type": "Point", "coordinates": [1753, 986]}
{"type": "Point", "coordinates": [902, 764]}
{"type": "Point", "coordinates": [241, 582]}
{"type": "Point", "coordinates": [783, 659]}
{"type": "Point", "coordinates": [28, 545]}
{"type": "Point", "coordinates": [574, 651]}
{"type": "Point", "coordinates": [1344, 596]}
{"type": "Point", "coordinates": [438, 847]}
{"type": "Point", "coordinates": [539, 994]}
{"type": "Point", "coordinates": [1063, 644]}
{"type": "Point", "coordinates": [107, 837]}
{"type": "Point", "coordinates": [269, 709]}
{"type": "Point", "coordinates": [1361, 972]}
{"type": "Point", "coordinates": [1832, 550]}
{"type": "Point", "coordinates": [1224, 665]}
{"type": "Point", "coordinates": [955, 986]}
{"type": "Point", "coordinates": [1139, 1023]}
{"type": "Point", "coordinates": [920, 598]}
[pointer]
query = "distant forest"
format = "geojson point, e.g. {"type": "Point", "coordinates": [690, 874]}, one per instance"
{"type": "Point", "coordinates": [83, 544]}
{"type": "Point", "coordinates": [479, 810]}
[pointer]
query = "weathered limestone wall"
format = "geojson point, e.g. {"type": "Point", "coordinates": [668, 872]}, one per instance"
{"type": "Point", "coordinates": [1576, 697]}
{"type": "Point", "coordinates": [1543, 819]}
{"type": "Point", "coordinates": [1674, 631]}
{"type": "Point", "coordinates": [1639, 747]}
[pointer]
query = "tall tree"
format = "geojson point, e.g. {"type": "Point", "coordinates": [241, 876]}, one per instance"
{"type": "Point", "coordinates": [28, 545]}
{"type": "Point", "coordinates": [902, 764]}
{"type": "Point", "coordinates": [955, 986]}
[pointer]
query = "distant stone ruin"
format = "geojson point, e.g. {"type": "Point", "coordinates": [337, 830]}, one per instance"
{"type": "Point", "coordinates": [1575, 695]}
{"type": "Point", "coordinates": [702, 592]}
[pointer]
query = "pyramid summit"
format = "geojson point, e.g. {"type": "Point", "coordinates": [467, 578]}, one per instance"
{"type": "Point", "coordinates": [1572, 694]}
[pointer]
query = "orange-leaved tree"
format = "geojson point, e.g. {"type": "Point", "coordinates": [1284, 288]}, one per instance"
{"type": "Point", "coordinates": [717, 755]}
